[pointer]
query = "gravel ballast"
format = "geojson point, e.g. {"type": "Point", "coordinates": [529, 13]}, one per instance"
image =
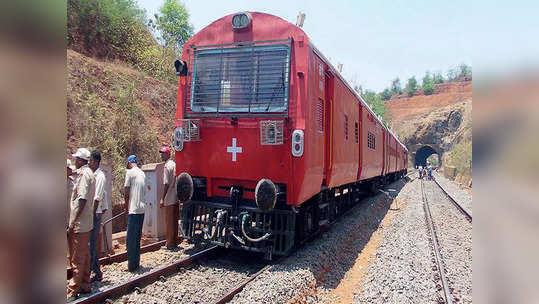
{"type": "Point", "coordinates": [315, 271]}
{"type": "Point", "coordinates": [205, 282]}
{"type": "Point", "coordinates": [403, 270]}
{"type": "Point", "coordinates": [116, 273]}
{"type": "Point", "coordinates": [461, 196]}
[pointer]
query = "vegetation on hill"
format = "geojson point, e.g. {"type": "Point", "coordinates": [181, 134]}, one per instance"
{"type": "Point", "coordinates": [120, 30]}
{"type": "Point", "coordinates": [428, 85]}
{"type": "Point", "coordinates": [119, 111]}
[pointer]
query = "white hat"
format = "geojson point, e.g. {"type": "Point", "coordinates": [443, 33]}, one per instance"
{"type": "Point", "coordinates": [69, 165]}
{"type": "Point", "coordinates": [82, 153]}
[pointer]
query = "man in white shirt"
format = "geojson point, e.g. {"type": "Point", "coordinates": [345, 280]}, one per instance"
{"type": "Point", "coordinates": [80, 224]}
{"type": "Point", "coordinates": [70, 181]}
{"type": "Point", "coordinates": [100, 207]}
{"type": "Point", "coordinates": [134, 206]}
{"type": "Point", "coordinates": [170, 199]}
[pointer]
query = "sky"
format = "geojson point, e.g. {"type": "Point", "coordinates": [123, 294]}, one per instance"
{"type": "Point", "coordinates": [378, 40]}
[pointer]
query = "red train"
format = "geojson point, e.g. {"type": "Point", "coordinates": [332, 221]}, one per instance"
{"type": "Point", "coordinates": [271, 142]}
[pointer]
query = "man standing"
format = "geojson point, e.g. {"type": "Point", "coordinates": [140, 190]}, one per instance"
{"type": "Point", "coordinates": [100, 207]}
{"type": "Point", "coordinates": [80, 225]}
{"type": "Point", "coordinates": [169, 199]}
{"type": "Point", "coordinates": [134, 207]}
{"type": "Point", "coordinates": [70, 181]}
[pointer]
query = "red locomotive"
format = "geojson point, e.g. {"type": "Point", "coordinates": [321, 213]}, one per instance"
{"type": "Point", "coordinates": [271, 142]}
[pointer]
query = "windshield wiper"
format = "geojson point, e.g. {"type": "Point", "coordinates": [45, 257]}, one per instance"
{"type": "Point", "coordinates": [274, 91]}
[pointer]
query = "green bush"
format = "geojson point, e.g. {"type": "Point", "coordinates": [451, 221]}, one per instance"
{"type": "Point", "coordinates": [386, 94]}
{"type": "Point", "coordinates": [377, 104]}
{"type": "Point", "coordinates": [411, 86]}
{"type": "Point", "coordinates": [119, 132]}
{"type": "Point", "coordinates": [461, 157]}
{"type": "Point", "coordinates": [428, 84]}
{"type": "Point", "coordinates": [437, 78]}
{"type": "Point", "coordinates": [116, 29]}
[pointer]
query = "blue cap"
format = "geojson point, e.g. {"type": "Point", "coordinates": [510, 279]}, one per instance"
{"type": "Point", "coordinates": [131, 159]}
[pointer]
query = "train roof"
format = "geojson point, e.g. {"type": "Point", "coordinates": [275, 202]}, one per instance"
{"type": "Point", "coordinates": [336, 72]}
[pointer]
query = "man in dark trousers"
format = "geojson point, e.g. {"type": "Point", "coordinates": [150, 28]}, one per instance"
{"type": "Point", "coordinates": [134, 186]}
{"type": "Point", "coordinates": [100, 207]}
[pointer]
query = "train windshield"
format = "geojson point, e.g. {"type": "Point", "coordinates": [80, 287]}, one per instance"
{"type": "Point", "coordinates": [244, 79]}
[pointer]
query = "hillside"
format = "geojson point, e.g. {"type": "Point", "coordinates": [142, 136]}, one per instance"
{"type": "Point", "coordinates": [118, 110]}
{"type": "Point", "coordinates": [442, 120]}
{"type": "Point", "coordinates": [403, 107]}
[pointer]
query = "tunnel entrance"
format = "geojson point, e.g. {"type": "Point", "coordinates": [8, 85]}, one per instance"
{"type": "Point", "coordinates": [427, 153]}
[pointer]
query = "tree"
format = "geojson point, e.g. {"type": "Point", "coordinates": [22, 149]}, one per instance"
{"type": "Point", "coordinates": [428, 84]}
{"type": "Point", "coordinates": [411, 86]}
{"type": "Point", "coordinates": [172, 22]}
{"type": "Point", "coordinates": [396, 86]}
{"type": "Point", "coordinates": [464, 70]}
{"type": "Point", "coordinates": [452, 74]}
{"type": "Point", "coordinates": [375, 102]}
{"type": "Point", "coordinates": [437, 78]}
{"type": "Point", "coordinates": [386, 94]}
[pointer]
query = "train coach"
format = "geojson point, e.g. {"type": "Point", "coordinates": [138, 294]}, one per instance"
{"type": "Point", "coordinates": [271, 142]}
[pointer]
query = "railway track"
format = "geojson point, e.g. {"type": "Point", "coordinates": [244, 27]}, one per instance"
{"type": "Point", "coordinates": [145, 279]}
{"type": "Point", "coordinates": [436, 246]}
{"type": "Point", "coordinates": [136, 284]}
{"type": "Point", "coordinates": [455, 203]}
{"type": "Point", "coordinates": [122, 256]}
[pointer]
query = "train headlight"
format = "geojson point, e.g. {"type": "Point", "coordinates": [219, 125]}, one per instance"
{"type": "Point", "coordinates": [241, 20]}
{"type": "Point", "coordinates": [297, 143]}
{"type": "Point", "coordinates": [178, 138]}
{"type": "Point", "coordinates": [265, 194]}
{"type": "Point", "coordinates": [184, 187]}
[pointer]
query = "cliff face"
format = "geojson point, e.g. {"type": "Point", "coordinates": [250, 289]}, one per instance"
{"type": "Point", "coordinates": [403, 107]}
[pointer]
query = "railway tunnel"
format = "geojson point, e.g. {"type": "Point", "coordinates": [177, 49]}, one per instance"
{"type": "Point", "coordinates": [423, 153]}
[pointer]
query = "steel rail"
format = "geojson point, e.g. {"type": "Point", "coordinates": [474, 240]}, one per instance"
{"type": "Point", "coordinates": [122, 256]}
{"type": "Point", "coordinates": [226, 298]}
{"type": "Point", "coordinates": [454, 201]}
{"type": "Point", "coordinates": [436, 245]}
{"type": "Point", "coordinates": [145, 279]}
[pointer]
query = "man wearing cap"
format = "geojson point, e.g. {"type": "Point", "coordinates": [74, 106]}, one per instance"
{"type": "Point", "coordinates": [134, 207]}
{"type": "Point", "coordinates": [80, 224]}
{"type": "Point", "coordinates": [169, 201]}
{"type": "Point", "coordinates": [70, 169]}
{"type": "Point", "coordinates": [100, 207]}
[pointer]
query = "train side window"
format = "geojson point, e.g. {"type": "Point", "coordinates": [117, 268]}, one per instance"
{"type": "Point", "coordinates": [345, 127]}
{"type": "Point", "coordinates": [356, 129]}
{"type": "Point", "coordinates": [371, 141]}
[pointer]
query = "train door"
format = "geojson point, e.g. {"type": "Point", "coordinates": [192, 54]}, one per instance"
{"type": "Point", "coordinates": [384, 147]}
{"type": "Point", "coordinates": [328, 124]}
{"type": "Point", "coordinates": [388, 149]}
